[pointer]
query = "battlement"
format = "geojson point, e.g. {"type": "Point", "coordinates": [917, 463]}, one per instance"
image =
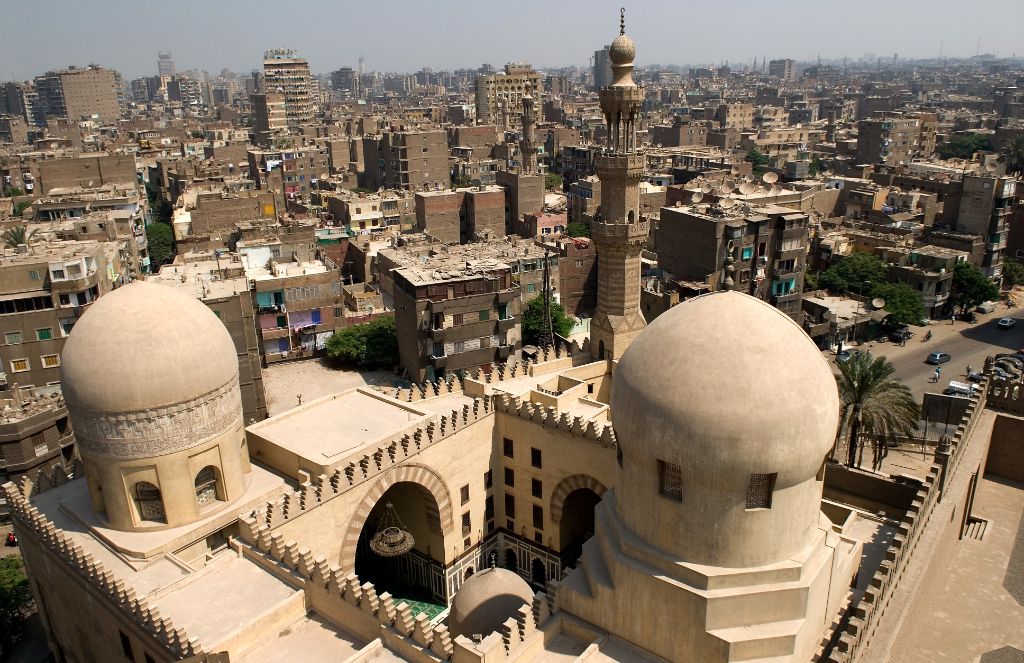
{"type": "Point", "coordinates": [365, 466]}
{"type": "Point", "coordinates": [31, 523]}
{"type": "Point", "coordinates": [1006, 395]}
{"type": "Point", "coordinates": [866, 615]}
{"type": "Point", "coordinates": [357, 606]}
{"type": "Point", "coordinates": [602, 433]}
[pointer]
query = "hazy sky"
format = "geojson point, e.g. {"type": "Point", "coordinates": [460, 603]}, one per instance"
{"type": "Point", "coordinates": [404, 35]}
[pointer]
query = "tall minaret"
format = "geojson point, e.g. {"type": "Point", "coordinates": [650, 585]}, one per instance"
{"type": "Point", "coordinates": [529, 144]}
{"type": "Point", "coordinates": [617, 231]}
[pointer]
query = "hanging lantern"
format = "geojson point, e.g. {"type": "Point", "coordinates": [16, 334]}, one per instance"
{"type": "Point", "coordinates": [391, 539]}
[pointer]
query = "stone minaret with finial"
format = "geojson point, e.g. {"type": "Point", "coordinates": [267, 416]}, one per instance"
{"type": "Point", "coordinates": [528, 146]}
{"type": "Point", "coordinates": [618, 232]}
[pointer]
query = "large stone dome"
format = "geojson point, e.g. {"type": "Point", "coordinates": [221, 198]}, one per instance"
{"type": "Point", "coordinates": [733, 393]}
{"type": "Point", "coordinates": [142, 347]}
{"type": "Point", "coordinates": [485, 600]}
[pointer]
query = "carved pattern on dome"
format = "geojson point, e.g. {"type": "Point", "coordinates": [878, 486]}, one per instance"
{"type": "Point", "coordinates": [159, 431]}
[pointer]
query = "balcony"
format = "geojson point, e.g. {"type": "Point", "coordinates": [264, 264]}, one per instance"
{"type": "Point", "coordinates": [275, 332]}
{"type": "Point", "coordinates": [505, 324]}
{"type": "Point", "coordinates": [506, 296]}
{"type": "Point", "coordinates": [274, 308]}
{"type": "Point", "coordinates": [504, 352]}
{"type": "Point", "coordinates": [439, 362]}
{"type": "Point", "coordinates": [786, 298]}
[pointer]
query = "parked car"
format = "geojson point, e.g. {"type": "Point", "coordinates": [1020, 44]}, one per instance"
{"type": "Point", "coordinates": [847, 355]}
{"type": "Point", "coordinates": [900, 335]}
{"type": "Point", "coordinates": [976, 376]}
{"type": "Point", "coordinates": [961, 389]}
{"type": "Point", "coordinates": [1006, 323]}
{"type": "Point", "coordinates": [938, 357]}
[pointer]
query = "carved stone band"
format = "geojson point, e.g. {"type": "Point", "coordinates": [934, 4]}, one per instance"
{"type": "Point", "coordinates": [159, 431]}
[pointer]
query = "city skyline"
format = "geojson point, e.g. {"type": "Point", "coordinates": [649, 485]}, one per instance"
{"type": "Point", "coordinates": [215, 37]}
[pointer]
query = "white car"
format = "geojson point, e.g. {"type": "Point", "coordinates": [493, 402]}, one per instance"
{"type": "Point", "coordinates": [1006, 323]}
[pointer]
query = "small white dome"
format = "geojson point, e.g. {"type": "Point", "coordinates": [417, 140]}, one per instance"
{"type": "Point", "coordinates": [485, 600]}
{"type": "Point", "coordinates": [622, 51]}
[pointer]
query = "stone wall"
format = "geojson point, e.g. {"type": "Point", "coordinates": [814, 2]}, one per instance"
{"type": "Point", "coordinates": [1006, 451]}
{"type": "Point", "coordinates": [876, 610]}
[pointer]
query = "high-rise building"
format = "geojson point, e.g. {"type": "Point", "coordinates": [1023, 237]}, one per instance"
{"type": "Point", "coordinates": [602, 68]}
{"type": "Point", "coordinates": [165, 64]}
{"type": "Point", "coordinates": [499, 96]}
{"type": "Point", "coordinates": [74, 93]}
{"type": "Point", "coordinates": [269, 117]}
{"type": "Point", "coordinates": [887, 140]}
{"type": "Point", "coordinates": [346, 80]}
{"type": "Point", "coordinates": [985, 207]}
{"type": "Point", "coordinates": [783, 69]}
{"type": "Point", "coordinates": [289, 75]}
{"type": "Point", "coordinates": [618, 231]}
{"type": "Point", "coordinates": [19, 99]}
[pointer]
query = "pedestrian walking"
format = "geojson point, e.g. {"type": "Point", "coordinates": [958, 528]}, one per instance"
{"type": "Point", "coordinates": [968, 370]}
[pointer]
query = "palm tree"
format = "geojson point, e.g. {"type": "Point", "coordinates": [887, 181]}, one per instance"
{"type": "Point", "coordinates": [1012, 154]}
{"type": "Point", "coordinates": [18, 235]}
{"type": "Point", "coordinates": [874, 407]}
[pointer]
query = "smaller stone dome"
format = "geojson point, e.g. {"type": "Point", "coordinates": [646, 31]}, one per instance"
{"type": "Point", "coordinates": [622, 51]}
{"type": "Point", "coordinates": [485, 600]}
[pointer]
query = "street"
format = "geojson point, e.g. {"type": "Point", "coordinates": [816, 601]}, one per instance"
{"type": "Point", "coordinates": [966, 344]}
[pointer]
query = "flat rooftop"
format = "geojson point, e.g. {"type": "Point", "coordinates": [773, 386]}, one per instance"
{"type": "Point", "coordinates": [331, 428]}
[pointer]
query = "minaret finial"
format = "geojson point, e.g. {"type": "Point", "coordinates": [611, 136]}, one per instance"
{"type": "Point", "coordinates": [622, 20]}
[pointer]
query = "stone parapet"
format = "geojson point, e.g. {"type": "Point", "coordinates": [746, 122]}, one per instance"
{"type": "Point", "coordinates": [601, 433]}
{"type": "Point", "coordinates": [29, 522]}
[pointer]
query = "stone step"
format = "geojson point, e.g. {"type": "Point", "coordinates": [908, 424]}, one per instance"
{"type": "Point", "coordinates": [762, 642]}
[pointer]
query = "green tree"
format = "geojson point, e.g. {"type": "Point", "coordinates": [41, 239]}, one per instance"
{"type": "Point", "coordinates": [964, 146]}
{"type": "Point", "coordinates": [578, 230]}
{"type": "Point", "coordinates": [18, 235]}
{"type": "Point", "coordinates": [534, 325]}
{"type": "Point", "coordinates": [12, 191]}
{"type": "Point", "coordinates": [852, 273]}
{"type": "Point", "coordinates": [160, 239]}
{"type": "Point", "coordinates": [1012, 154]}
{"type": "Point", "coordinates": [971, 287]}
{"type": "Point", "coordinates": [371, 345]}
{"type": "Point", "coordinates": [874, 408]}
{"type": "Point", "coordinates": [815, 167]}
{"type": "Point", "coordinates": [904, 304]}
{"type": "Point", "coordinates": [552, 181]}
{"type": "Point", "coordinates": [812, 281]}
{"type": "Point", "coordinates": [21, 207]}
{"type": "Point", "coordinates": [1013, 272]}
{"type": "Point", "coordinates": [757, 157]}
{"type": "Point", "coordinates": [15, 598]}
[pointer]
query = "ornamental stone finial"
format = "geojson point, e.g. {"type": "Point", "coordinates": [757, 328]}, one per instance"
{"type": "Point", "coordinates": [622, 20]}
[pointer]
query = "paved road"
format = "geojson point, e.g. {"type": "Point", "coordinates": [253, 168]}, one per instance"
{"type": "Point", "coordinates": [966, 343]}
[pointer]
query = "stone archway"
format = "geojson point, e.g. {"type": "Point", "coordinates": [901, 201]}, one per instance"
{"type": "Point", "coordinates": [567, 486]}
{"type": "Point", "coordinates": [412, 473]}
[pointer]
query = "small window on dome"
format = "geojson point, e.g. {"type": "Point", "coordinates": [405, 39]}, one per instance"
{"type": "Point", "coordinates": [759, 491]}
{"type": "Point", "coordinates": [671, 480]}
{"type": "Point", "coordinates": [206, 486]}
{"type": "Point", "coordinates": [149, 501]}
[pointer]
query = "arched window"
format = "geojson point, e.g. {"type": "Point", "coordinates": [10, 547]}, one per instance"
{"type": "Point", "coordinates": [632, 216]}
{"type": "Point", "coordinates": [206, 486]}
{"type": "Point", "coordinates": [149, 501]}
{"type": "Point", "coordinates": [469, 572]}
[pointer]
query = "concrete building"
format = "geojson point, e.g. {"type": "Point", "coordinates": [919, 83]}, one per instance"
{"type": "Point", "coordinates": [287, 74]}
{"type": "Point", "coordinates": [759, 251]}
{"type": "Point", "coordinates": [44, 292]}
{"type": "Point", "coordinates": [783, 69]}
{"type": "Point", "coordinates": [889, 140]}
{"type": "Point", "coordinates": [499, 96]}
{"type": "Point", "coordinates": [35, 434]}
{"type": "Point", "coordinates": [165, 64]}
{"type": "Point", "coordinates": [985, 208]}
{"type": "Point", "coordinates": [602, 68]}
{"type": "Point", "coordinates": [460, 216]}
{"type": "Point", "coordinates": [74, 93]}
{"type": "Point", "coordinates": [410, 160]}
{"type": "Point", "coordinates": [269, 117]}
{"type": "Point", "coordinates": [929, 270]}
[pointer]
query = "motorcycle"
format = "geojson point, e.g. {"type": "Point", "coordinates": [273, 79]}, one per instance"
{"type": "Point", "coordinates": [11, 540]}
{"type": "Point", "coordinates": [928, 335]}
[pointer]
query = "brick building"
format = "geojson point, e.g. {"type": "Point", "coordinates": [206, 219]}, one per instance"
{"type": "Point", "coordinates": [459, 216]}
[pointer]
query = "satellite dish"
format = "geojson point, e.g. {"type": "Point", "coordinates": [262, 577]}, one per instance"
{"type": "Point", "coordinates": [829, 173]}
{"type": "Point", "coordinates": [726, 203]}
{"type": "Point", "coordinates": [729, 184]}
{"type": "Point", "coordinates": [679, 203]}
{"type": "Point", "coordinates": [770, 178]}
{"type": "Point", "coordinates": [747, 188]}
{"type": "Point", "coordinates": [775, 190]}
{"type": "Point", "coordinates": [878, 302]}
{"type": "Point", "coordinates": [722, 191]}
{"type": "Point", "coordinates": [734, 171]}
{"type": "Point", "coordinates": [697, 197]}
{"type": "Point", "coordinates": [706, 188]}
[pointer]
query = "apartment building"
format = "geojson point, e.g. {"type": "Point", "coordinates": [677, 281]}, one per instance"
{"type": "Point", "coordinates": [929, 270]}
{"type": "Point", "coordinates": [44, 289]}
{"type": "Point", "coordinates": [784, 69]}
{"type": "Point", "coordinates": [499, 96]}
{"type": "Point", "coordinates": [289, 172]}
{"type": "Point", "coordinates": [759, 251]}
{"type": "Point", "coordinates": [269, 117]}
{"type": "Point", "coordinates": [985, 207]}
{"type": "Point", "coordinates": [454, 314]}
{"type": "Point", "coordinates": [410, 160]}
{"type": "Point", "coordinates": [74, 93]}
{"type": "Point", "coordinates": [35, 435]}
{"type": "Point", "coordinates": [287, 74]}
{"type": "Point", "coordinates": [888, 140]}
{"type": "Point", "coordinates": [367, 213]}
{"type": "Point", "coordinates": [460, 216]}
